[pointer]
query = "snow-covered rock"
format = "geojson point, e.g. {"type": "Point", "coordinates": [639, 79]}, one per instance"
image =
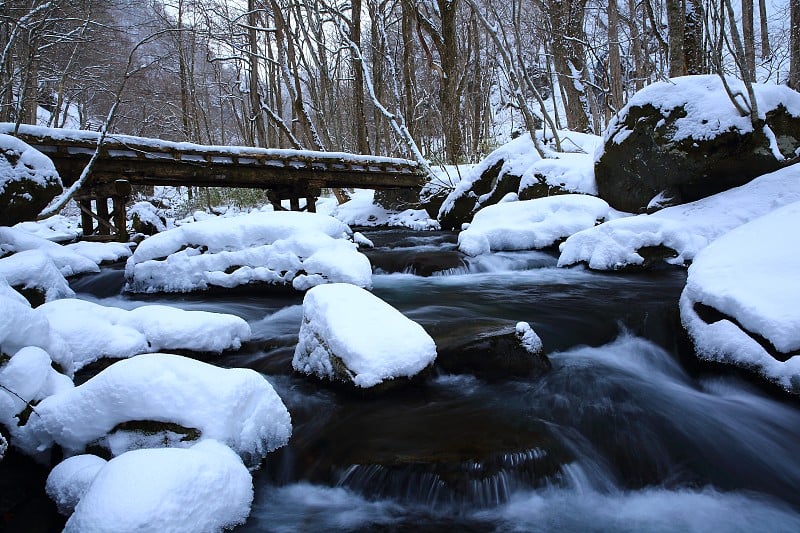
{"type": "Point", "coordinates": [517, 167]}
{"type": "Point", "coordinates": [683, 229]}
{"type": "Point", "coordinates": [28, 181]}
{"type": "Point", "coordinates": [301, 249]}
{"type": "Point", "coordinates": [22, 326]}
{"type": "Point", "coordinates": [362, 210]}
{"type": "Point", "coordinates": [69, 481]}
{"type": "Point", "coordinates": [236, 406]}
{"type": "Point", "coordinates": [685, 139]}
{"type": "Point", "coordinates": [101, 252]}
{"type": "Point", "coordinates": [93, 331]}
{"type": "Point", "coordinates": [202, 488]}
{"type": "Point", "coordinates": [34, 273]}
{"type": "Point", "coordinates": [145, 219]}
{"type": "Point", "coordinates": [740, 304]}
{"type": "Point", "coordinates": [350, 335]}
{"type": "Point", "coordinates": [530, 224]}
{"type": "Point", "coordinates": [57, 228]}
{"type": "Point", "coordinates": [27, 378]}
{"type": "Point", "coordinates": [66, 260]}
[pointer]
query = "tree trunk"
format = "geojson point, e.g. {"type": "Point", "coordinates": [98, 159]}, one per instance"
{"type": "Point", "coordinates": [449, 96]}
{"type": "Point", "coordinates": [694, 51]}
{"type": "Point", "coordinates": [614, 61]}
{"type": "Point", "coordinates": [794, 45]}
{"type": "Point", "coordinates": [748, 39]}
{"type": "Point", "coordinates": [766, 50]}
{"type": "Point", "coordinates": [255, 95]}
{"type": "Point", "coordinates": [676, 21]}
{"type": "Point", "coordinates": [362, 142]}
{"type": "Point", "coordinates": [567, 17]}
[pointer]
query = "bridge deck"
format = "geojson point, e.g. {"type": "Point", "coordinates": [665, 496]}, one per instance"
{"type": "Point", "coordinates": [147, 161]}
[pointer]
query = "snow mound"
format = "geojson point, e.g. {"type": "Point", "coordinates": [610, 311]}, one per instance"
{"type": "Point", "coordinates": [301, 249]}
{"type": "Point", "coordinates": [236, 406]}
{"type": "Point", "coordinates": [34, 270]}
{"type": "Point", "coordinates": [67, 261]}
{"type": "Point", "coordinates": [57, 228]}
{"type": "Point", "coordinates": [202, 488]}
{"type": "Point", "coordinates": [570, 172]}
{"type": "Point", "coordinates": [21, 326]}
{"type": "Point", "coordinates": [686, 228]}
{"type": "Point", "coordinates": [361, 210]}
{"type": "Point", "coordinates": [530, 224]}
{"type": "Point", "coordinates": [69, 481]}
{"type": "Point", "coordinates": [27, 378]}
{"type": "Point", "coordinates": [101, 252]}
{"type": "Point", "coordinates": [740, 300]}
{"type": "Point", "coordinates": [93, 331]}
{"type": "Point", "coordinates": [348, 334]}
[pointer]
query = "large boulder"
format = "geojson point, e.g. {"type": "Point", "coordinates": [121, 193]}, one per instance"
{"type": "Point", "coordinates": [683, 138]}
{"type": "Point", "coordinates": [28, 181]}
{"type": "Point", "coordinates": [350, 336]}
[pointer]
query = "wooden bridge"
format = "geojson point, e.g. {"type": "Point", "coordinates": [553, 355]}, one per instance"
{"type": "Point", "coordinates": [125, 160]}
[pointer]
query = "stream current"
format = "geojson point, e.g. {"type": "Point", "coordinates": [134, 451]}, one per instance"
{"type": "Point", "coordinates": [625, 433]}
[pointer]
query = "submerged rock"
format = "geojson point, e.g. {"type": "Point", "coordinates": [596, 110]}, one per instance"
{"type": "Point", "coordinates": [683, 138]}
{"type": "Point", "coordinates": [499, 355]}
{"type": "Point", "coordinates": [350, 336]}
{"type": "Point", "coordinates": [28, 181]}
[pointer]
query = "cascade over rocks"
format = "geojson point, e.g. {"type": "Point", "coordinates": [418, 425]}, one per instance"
{"type": "Point", "coordinates": [684, 139]}
{"type": "Point", "coordinates": [28, 181]}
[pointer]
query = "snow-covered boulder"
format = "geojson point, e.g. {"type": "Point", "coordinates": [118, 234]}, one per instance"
{"type": "Point", "coordinates": [516, 167]}
{"type": "Point", "coordinates": [684, 138]}
{"type": "Point", "coordinates": [740, 303]}
{"type": "Point", "coordinates": [34, 274]}
{"type": "Point", "coordinates": [202, 488]}
{"type": "Point", "coordinates": [101, 252]}
{"type": "Point", "coordinates": [145, 219]}
{"type": "Point", "coordinates": [236, 406]}
{"type": "Point", "coordinates": [351, 336]}
{"type": "Point", "coordinates": [22, 326]}
{"type": "Point", "coordinates": [531, 224]}
{"type": "Point", "coordinates": [362, 209]}
{"type": "Point", "coordinates": [70, 480]}
{"type": "Point", "coordinates": [280, 248]}
{"type": "Point", "coordinates": [497, 355]}
{"type": "Point", "coordinates": [676, 234]}
{"type": "Point", "coordinates": [92, 331]}
{"type": "Point", "coordinates": [57, 228]}
{"type": "Point", "coordinates": [27, 378]}
{"type": "Point", "coordinates": [28, 181]}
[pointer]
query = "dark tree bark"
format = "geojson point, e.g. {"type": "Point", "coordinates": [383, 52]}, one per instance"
{"type": "Point", "coordinates": [794, 45]}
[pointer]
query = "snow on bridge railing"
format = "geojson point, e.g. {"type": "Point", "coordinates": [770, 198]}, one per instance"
{"type": "Point", "coordinates": [54, 141]}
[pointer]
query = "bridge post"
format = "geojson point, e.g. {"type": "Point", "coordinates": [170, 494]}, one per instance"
{"type": "Point", "coordinates": [110, 225]}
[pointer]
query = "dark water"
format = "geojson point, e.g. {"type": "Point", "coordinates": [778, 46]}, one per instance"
{"type": "Point", "coordinates": [626, 433]}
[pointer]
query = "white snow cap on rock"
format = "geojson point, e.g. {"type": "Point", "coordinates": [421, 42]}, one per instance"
{"type": "Point", "coordinates": [530, 224]}
{"type": "Point", "coordinates": [70, 479]}
{"type": "Point", "coordinates": [707, 114]}
{"type": "Point", "coordinates": [236, 406]}
{"type": "Point", "coordinates": [371, 339]}
{"type": "Point", "coordinates": [750, 275]}
{"type": "Point", "coordinates": [203, 488]}
{"type": "Point", "coordinates": [302, 249]}
{"type": "Point", "coordinates": [686, 228]}
{"type": "Point", "coordinates": [528, 338]}
{"type": "Point", "coordinates": [93, 331]}
{"type": "Point", "coordinates": [31, 164]}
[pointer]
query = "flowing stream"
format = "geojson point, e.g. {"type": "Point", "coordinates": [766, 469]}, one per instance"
{"type": "Point", "coordinates": [625, 433]}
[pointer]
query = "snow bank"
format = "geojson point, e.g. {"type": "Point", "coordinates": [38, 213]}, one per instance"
{"type": "Point", "coordinates": [348, 334]}
{"type": "Point", "coordinates": [304, 249]}
{"type": "Point", "coordinates": [235, 406]}
{"type": "Point", "coordinates": [202, 488]}
{"type": "Point", "coordinates": [57, 228]}
{"type": "Point", "coordinates": [69, 481]}
{"type": "Point", "coordinates": [27, 378]}
{"type": "Point", "coordinates": [750, 277]}
{"type": "Point", "coordinates": [686, 228]}
{"type": "Point", "coordinates": [101, 252]}
{"type": "Point", "coordinates": [35, 270]}
{"type": "Point", "coordinates": [21, 326]}
{"type": "Point", "coordinates": [361, 210]}
{"type": "Point", "coordinates": [67, 261]}
{"type": "Point", "coordinates": [570, 171]}
{"type": "Point", "coordinates": [530, 224]}
{"type": "Point", "coordinates": [93, 331]}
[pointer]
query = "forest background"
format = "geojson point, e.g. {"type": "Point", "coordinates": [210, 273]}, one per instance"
{"type": "Point", "coordinates": [458, 77]}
